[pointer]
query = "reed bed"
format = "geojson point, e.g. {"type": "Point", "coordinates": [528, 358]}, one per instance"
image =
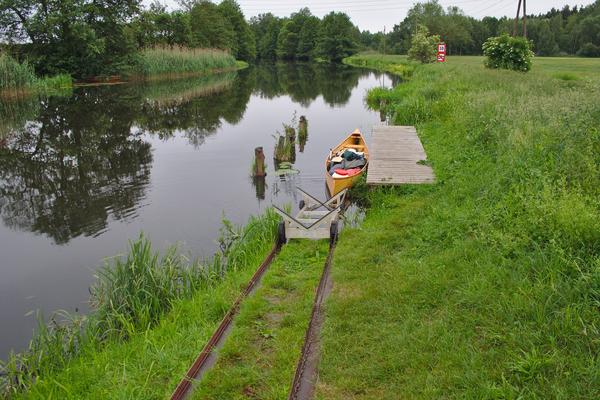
{"type": "Point", "coordinates": [18, 78]}
{"type": "Point", "coordinates": [161, 61]}
{"type": "Point", "coordinates": [130, 297]}
{"type": "Point", "coordinates": [14, 74]}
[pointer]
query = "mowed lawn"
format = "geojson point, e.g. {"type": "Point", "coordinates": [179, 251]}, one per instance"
{"type": "Point", "coordinates": [487, 283]}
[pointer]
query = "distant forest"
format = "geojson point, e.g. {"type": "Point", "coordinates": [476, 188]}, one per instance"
{"type": "Point", "coordinates": [70, 36]}
{"type": "Point", "coordinates": [569, 31]}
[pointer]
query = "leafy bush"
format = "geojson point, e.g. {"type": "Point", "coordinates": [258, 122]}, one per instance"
{"type": "Point", "coordinates": [423, 47]}
{"type": "Point", "coordinates": [507, 52]}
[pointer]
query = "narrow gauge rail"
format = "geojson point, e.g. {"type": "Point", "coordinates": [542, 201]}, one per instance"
{"type": "Point", "coordinates": [305, 375]}
{"type": "Point", "coordinates": [203, 361]}
{"type": "Point", "coordinates": [305, 378]}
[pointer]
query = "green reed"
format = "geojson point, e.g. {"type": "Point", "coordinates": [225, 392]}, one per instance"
{"type": "Point", "coordinates": [159, 60]}
{"type": "Point", "coordinates": [17, 79]}
{"type": "Point", "coordinates": [130, 296]}
{"type": "Point", "coordinates": [14, 74]}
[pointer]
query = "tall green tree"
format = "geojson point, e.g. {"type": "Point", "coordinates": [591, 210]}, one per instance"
{"type": "Point", "coordinates": [266, 29]}
{"type": "Point", "coordinates": [209, 28]}
{"type": "Point", "coordinates": [158, 27]}
{"type": "Point", "coordinates": [298, 36]}
{"type": "Point", "coordinates": [287, 40]}
{"type": "Point", "coordinates": [81, 37]}
{"type": "Point", "coordinates": [307, 38]}
{"type": "Point", "coordinates": [337, 37]}
{"type": "Point", "coordinates": [244, 46]}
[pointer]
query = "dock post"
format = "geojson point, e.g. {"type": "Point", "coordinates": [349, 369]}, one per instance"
{"type": "Point", "coordinates": [302, 133]}
{"type": "Point", "coordinates": [259, 162]}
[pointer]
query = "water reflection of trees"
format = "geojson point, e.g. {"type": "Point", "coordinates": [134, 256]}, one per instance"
{"type": "Point", "coordinates": [62, 173]}
{"type": "Point", "coordinates": [69, 164]}
{"type": "Point", "coordinates": [82, 159]}
{"type": "Point", "coordinates": [304, 82]}
{"type": "Point", "coordinates": [196, 111]}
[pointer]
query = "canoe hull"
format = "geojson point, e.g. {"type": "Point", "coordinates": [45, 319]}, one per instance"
{"type": "Point", "coordinates": [357, 142]}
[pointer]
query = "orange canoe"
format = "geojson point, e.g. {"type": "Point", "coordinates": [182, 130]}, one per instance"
{"type": "Point", "coordinates": [356, 142]}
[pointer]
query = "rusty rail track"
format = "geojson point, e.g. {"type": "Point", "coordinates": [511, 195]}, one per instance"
{"type": "Point", "coordinates": [202, 361]}
{"type": "Point", "coordinates": [305, 378]}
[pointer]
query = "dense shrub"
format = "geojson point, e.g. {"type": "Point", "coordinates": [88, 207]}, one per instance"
{"type": "Point", "coordinates": [507, 52]}
{"type": "Point", "coordinates": [423, 47]}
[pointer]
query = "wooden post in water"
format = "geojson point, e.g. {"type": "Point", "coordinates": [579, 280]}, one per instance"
{"type": "Point", "coordinates": [290, 144]}
{"type": "Point", "coordinates": [302, 133]}
{"type": "Point", "coordinates": [259, 162]}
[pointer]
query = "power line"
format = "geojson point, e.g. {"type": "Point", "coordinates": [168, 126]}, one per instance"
{"type": "Point", "coordinates": [343, 5]}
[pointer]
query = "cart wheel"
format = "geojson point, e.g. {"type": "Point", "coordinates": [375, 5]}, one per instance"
{"type": "Point", "coordinates": [301, 204]}
{"type": "Point", "coordinates": [333, 233]}
{"type": "Point", "coordinates": [281, 239]}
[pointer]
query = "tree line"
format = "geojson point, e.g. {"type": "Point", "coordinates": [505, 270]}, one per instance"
{"type": "Point", "coordinates": [93, 37]}
{"type": "Point", "coordinates": [568, 31]}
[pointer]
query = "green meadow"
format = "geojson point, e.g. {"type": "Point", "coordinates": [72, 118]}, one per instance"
{"type": "Point", "coordinates": [487, 283]}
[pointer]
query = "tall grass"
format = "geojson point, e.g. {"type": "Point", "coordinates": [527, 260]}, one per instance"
{"type": "Point", "coordinates": [130, 296]}
{"type": "Point", "coordinates": [397, 65]}
{"type": "Point", "coordinates": [181, 60]}
{"type": "Point", "coordinates": [14, 74]}
{"type": "Point", "coordinates": [17, 78]}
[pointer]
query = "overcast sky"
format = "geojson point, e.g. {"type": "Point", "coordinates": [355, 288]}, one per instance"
{"type": "Point", "coordinates": [373, 15]}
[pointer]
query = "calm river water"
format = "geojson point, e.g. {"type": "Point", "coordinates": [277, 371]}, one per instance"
{"type": "Point", "coordinates": [80, 175]}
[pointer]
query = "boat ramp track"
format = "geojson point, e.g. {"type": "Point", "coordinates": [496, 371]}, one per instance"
{"type": "Point", "coordinates": [305, 377]}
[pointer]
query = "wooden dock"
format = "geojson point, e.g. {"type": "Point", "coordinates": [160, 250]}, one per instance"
{"type": "Point", "coordinates": [397, 156]}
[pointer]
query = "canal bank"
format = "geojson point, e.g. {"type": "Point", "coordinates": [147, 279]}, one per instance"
{"type": "Point", "coordinates": [143, 143]}
{"type": "Point", "coordinates": [482, 285]}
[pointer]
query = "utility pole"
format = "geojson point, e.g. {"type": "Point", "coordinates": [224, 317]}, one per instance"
{"type": "Point", "coordinates": [516, 27]}
{"type": "Point", "coordinates": [384, 39]}
{"type": "Point", "coordinates": [517, 19]}
{"type": "Point", "coordinates": [525, 19]}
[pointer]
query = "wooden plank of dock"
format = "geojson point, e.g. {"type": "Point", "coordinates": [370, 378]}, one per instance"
{"type": "Point", "coordinates": [396, 156]}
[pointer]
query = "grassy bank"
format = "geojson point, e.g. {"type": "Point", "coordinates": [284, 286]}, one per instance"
{"type": "Point", "coordinates": [19, 78]}
{"type": "Point", "coordinates": [150, 316]}
{"type": "Point", "coordinates": [258, 360]}
{"type": "Point", "coordinates": [167, 61]}
{"type": "Point", "coordinates": [486, 284]}
{"type": "Point", "coordinates": [395, 64]}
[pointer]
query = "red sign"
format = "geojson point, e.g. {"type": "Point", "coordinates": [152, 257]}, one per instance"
{"type": "Point", "coordinates": [441, 54]}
